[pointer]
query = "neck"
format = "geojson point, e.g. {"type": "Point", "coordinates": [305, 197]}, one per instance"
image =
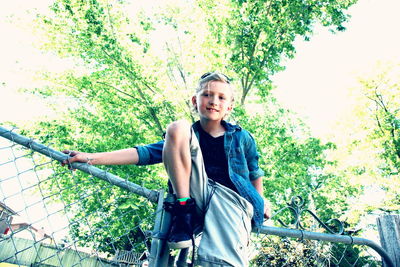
{"type": "Point", "coordinates": [214, 128]}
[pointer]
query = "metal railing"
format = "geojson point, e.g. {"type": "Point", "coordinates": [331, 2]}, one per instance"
{"type": "Point", "coordinates": [42, 224]}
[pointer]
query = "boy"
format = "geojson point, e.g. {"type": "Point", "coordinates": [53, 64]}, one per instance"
{"type": "Point", "coordinates": [213, 168]}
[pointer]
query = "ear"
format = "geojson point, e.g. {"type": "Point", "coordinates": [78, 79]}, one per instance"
{"type": "Point", "coordinates": [228, 111]}
{"type": "Point", "coordinates": [194, 101]}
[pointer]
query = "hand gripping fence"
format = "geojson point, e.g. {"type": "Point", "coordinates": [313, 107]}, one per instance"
{"type": "Point", "coordinates": [271, 245]}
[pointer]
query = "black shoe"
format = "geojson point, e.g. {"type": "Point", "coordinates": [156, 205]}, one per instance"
{"type": "Point", "coordinates": [181, 232]}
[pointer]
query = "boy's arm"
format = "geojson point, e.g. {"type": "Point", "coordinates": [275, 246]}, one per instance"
{"type": "Point", "coordinates": [118, 157]}
{"type": "Point", "coordinates": [139, 155]}
{"type": "Point", "coordinates": [258, 185]}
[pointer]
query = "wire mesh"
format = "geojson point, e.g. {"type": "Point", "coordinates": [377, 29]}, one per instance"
{"type": "Point", "coordinates": [305, 240]}
{"type": "Point", "coordinates": [285, 251]}
{"type": "Point", "coordinates": [42, 223]}
{"type": "Point", "coordinates": [53, 216]}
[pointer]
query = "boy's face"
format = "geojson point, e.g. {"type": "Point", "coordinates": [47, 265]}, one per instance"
{"type": "Point", "coordinates": [214, 101]}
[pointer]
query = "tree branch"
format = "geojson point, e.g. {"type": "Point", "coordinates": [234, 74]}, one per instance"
{"type": "Point", "coordinates": [151, 110]}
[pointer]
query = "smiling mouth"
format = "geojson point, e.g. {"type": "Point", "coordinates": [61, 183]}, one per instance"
{"type": "Point", "coordinates": [212, 109]}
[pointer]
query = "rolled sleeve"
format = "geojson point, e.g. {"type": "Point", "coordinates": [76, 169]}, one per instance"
{"type": "Point", "coordinates": [254, 175]}
{"type": "Point", "coordinates": [150, 154]}
{"type": "Point", "coordinates": [252, 157]}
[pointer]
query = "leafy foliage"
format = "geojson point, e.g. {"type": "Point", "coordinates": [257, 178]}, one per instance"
{"type": "Point", "coordinates": [125, 88]}
{"type": "Point", "coordinates": [370, 156]}
{"type": "Point", "coordinates": [259, 34]}
{"type": "Point", "coordinates": [295, 163]}
{"type": "Point", "coordinates": [288, 252]}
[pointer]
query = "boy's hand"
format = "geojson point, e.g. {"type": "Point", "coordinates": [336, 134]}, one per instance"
{"type": "Point", "coordinates": [75, 156]}
{"type": "Point", "coordinates": [267, 209]}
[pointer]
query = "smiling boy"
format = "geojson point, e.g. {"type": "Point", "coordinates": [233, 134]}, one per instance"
{"type": "Point", "coordinates": [213, 169]}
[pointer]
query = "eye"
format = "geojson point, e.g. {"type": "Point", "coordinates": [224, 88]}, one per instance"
{"type": "Point", "coordinates": [205, 94]}
{"type": "Point", "coordinates": [222, 98]}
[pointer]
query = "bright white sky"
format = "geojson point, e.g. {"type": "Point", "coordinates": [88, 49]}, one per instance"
{"type": "Point", "coordinates": [315, 83]}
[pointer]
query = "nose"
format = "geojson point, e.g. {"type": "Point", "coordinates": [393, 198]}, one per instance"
{"type": "Point", "coordinates": [213, 100]}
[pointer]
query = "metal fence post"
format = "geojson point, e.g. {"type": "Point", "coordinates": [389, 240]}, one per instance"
{"type": "Point", "coordinates": [159, 254]}
{"type": "Point", "coordinates": [389, 233]}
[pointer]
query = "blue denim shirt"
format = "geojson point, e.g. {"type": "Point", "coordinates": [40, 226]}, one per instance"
{"type": "Point", "coordinates": [240, 149]}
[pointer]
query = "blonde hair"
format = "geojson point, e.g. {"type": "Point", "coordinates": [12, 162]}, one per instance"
{"type": "Point", "coordinates": [208, 77]}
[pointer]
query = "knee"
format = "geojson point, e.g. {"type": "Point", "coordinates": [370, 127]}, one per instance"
{"type": "Point", "coordinates": [178, 130]}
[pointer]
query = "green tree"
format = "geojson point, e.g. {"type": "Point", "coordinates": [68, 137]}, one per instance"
{"type": "Point", "coordinates": [260, 34]}
{"type": "Point", "coordinates": [368, 155]}
{"type": "Point", "coordinates": [295, 163]}
{"type": "Point", "coordinates": [124, 89]}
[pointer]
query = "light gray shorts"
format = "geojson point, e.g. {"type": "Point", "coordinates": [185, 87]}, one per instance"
{"type": "Point", "coordinates": [227, 223]}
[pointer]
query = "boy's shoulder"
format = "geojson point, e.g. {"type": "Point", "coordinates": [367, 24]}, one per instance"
{"type": "Point", "coordinates": [230, 127]}
{"type": "Point", "coordinates": [237, 130]}
{"type": "Point", "coordinates": [234, 127]}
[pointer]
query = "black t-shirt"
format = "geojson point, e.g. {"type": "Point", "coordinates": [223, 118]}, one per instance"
{"type": "Point", "coordinates": [215, 161]}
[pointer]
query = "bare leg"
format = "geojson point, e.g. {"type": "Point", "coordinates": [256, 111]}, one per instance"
{"type": "Point", "coordinates": [176, 157]}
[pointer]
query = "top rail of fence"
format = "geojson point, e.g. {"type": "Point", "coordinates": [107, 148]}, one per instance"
{"type": "Point", "coordinates": [151, 195]}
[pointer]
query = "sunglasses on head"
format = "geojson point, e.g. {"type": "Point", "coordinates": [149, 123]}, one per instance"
{"type": "Point", "coordinates": [205, 75]}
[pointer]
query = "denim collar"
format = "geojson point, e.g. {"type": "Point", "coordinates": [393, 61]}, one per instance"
{"type": "Point", "coordinates": [230, 128]}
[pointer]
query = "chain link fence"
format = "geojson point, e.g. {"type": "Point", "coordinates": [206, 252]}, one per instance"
{"type": "Point", "coordinates": [110, 221]}
{"type": "Point", "coordinates": [313, 251]}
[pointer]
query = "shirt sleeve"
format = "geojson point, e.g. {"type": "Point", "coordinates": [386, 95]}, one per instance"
{"type": "Point", "coordinates": [252, 159]}
{"type": "Point", "coordinates": [150, 154]}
